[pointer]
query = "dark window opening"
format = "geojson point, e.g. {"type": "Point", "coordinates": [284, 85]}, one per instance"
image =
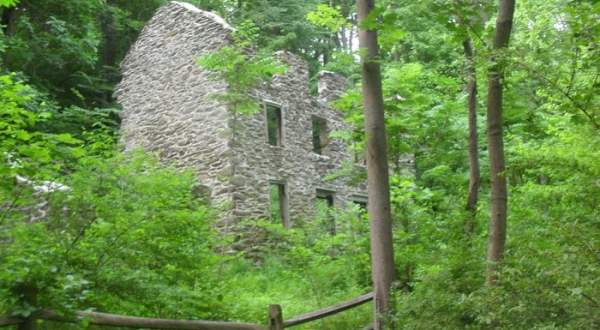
{"type": "Point", "coordinates": [324, 209]}
{"type": "Point", "coordinates": [279, 203]}
{"type": "Point", "coordinates": [320, 135]}
{"type": "Point", "coordinates": [356, 152]}
{"type": "Point", "coordinates": [274, 130]}
{"type": "Point", "coordinates": [359, 153]}
{"type": "Point", "coordinates": [362, 205]}
{"type": "Point", "coordinates": [360, 201]}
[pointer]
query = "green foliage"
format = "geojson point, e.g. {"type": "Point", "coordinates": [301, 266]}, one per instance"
{"type": "Point", "coordinates": [241, 72]}
{"type": "Point", "coordinates": [344, 64]}
{"type": "Point", "coordinates": [549, 278]}
{"type": "Point", "coordinates": [71, 49]}
{"type": "Point", "coordinates": [550, 268]}
{"type": "Point", "coordinates": [414, 96]}
{"type": "Point", "coordinates": [24, 149]}
{"type": "Point", "coordinates": [54, 41]}
{"type": "Point", "coordinates": [242, 69]}
{"type": "Point", "coordinates": [328, 17]}
{"type": "Point", "coordinates": [568, 85]}
{"type": "Point", "coordinates": [282, 23]}
{"type": "Point", "coordinates": [8, 3]}
{"type": "Point", "coordinates": [304, 264]}
{"type": "Point", "coordinates": [128, 236]}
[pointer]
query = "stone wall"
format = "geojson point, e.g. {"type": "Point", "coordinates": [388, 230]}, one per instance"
{"type": "Point", "coordinates": [330, 86]}
{"type": "Point", "coordinates": [168, 108]}
{"type": "Point", "coordinates": [166, 100]}
{"type": "Point", "coordinates": [294, 163]}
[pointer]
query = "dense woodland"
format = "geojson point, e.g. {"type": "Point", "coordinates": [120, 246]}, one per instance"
{"type": "Point", "coordinates": [89, 227]}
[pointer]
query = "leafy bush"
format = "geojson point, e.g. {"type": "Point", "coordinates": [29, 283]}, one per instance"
{"type": "Point", "coordinates": [128, 236]}
{"type": "Point", "coordinates": [550, 274]}
{"type": "Point", "coordinates": [303, 269]}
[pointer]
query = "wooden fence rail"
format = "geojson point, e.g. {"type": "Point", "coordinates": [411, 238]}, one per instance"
{"type": "Point", "coordinates": [113, 320]}
{"type": "Point", "coordinates": [275, 317]}
{"type": "Point", "coordinates": [6, 321]}
{"type": "Point", "coordinates": [328, 311]}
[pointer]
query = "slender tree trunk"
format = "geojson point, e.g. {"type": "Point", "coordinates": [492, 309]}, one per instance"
{"type": "Point", "coordinates": [109, 44]}
{"type": "Point", "coordinates": [497, 234]}
{"type": "Point", "coordinates": [343, 39]}
{"type": "Point", "coordinates": [337, 43]}
{"type": "Point", "coordinates": [29, 296]}
{"type": "Point", "coordinates": [108, 49]}
{"type": "Point", "coordinates": [8, 21]}
{"type": "Point", "coordinates": [325, 57]}
{"type": "Point", "coordinates": [474, 173]}
{"type": "Point", "coordinates": [382, 252]}
{"type": "Point", "coordinates": [351, 37]}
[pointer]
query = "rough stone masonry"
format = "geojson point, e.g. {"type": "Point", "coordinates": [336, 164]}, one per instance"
{"type": "Point", "coordinates": [168, 108]}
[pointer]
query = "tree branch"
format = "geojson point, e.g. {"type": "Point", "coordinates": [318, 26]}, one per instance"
{"type": "Point", "coordinates": [565, 93]}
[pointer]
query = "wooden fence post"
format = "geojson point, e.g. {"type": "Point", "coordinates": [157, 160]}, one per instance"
{"type": "Point", "coordinates": [275, 317]}
{"type": "Point", "coordinates": [30, 298]}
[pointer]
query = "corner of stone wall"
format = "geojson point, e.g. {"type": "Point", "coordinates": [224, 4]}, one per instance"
{"type": "Point", "coordinates": [166, 101]}
{"type": "Point", "coordinates": [330, 86]}
{"type": "Point", "coordinates": [296, 76]}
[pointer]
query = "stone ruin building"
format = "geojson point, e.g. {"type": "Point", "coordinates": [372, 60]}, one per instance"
{"type": "Point", "coordinates": [280, 157]}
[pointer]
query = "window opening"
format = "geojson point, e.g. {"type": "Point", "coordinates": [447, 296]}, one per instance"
{"type": "Point", "coordinates": [360, 201]}
{"type": "Point", "coordinates": [324, 209]}
{"type": "Point", "coordinates": [279, 203]}
{"type": "Point", "coordinates": [274, 131]}
{"type": "Point", "coordinates": [359, 152]}
{"type": "Point", "coordinates": [361, 204]}
{"type": "Point", "coordinates": [320, 135]}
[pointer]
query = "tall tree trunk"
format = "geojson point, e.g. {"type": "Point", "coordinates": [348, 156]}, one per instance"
{"type": "Point", "coordinates": [351, 35]}
{"type": "Point", "coordinates": [497, 234]}
{"type": "Point", "coordinates": [474, 173]}
{"type": "Point", "coordinates": [108, 50]}
{"type": "Point", "coordinates": [344, 39]}
{"type": "Point", "coordinates": [382, 252]}
{"type": "Point", "coordinates": [28, 295]}
{"type": "Point", "coordinates": [8, 21]}
{"type": "Point", "coordinates": [110, 38]}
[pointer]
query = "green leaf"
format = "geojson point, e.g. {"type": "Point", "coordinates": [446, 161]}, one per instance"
{"type": "Point", "coordinates": [8, 3]}
{"type": "Point", "coordinates": [66, 139]}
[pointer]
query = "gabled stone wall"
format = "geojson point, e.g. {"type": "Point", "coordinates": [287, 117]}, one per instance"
{"type": "Point", "coordinates": [168, 108]}
{"type": "Point", "coordinates": [166, 100]}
